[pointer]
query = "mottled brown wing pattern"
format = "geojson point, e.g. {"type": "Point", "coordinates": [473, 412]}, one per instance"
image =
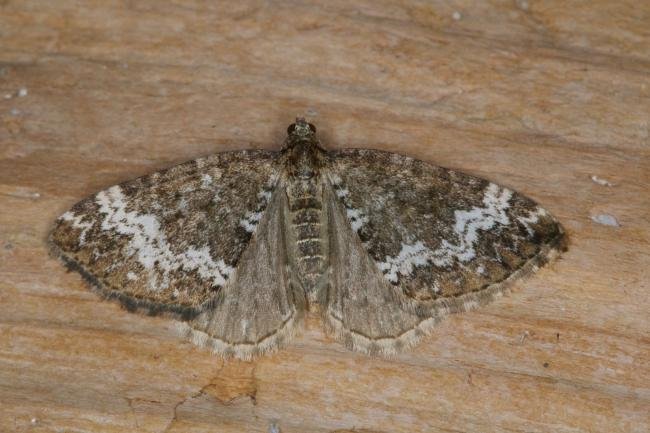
{"type": "Point", "coordinates": [169, 241]}
{"type": "Point", "coordinates": [437, 234]}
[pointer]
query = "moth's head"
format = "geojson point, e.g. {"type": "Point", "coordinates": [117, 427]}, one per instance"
{"type": "Point", "coordinates": [301, 129]}
{"type": "Point", "coordinates": [301, 134]}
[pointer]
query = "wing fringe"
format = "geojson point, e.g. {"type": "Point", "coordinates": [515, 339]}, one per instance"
{"type": "Point", "coordinates": [129, 303]}
{"type": "Point", "coordinates": [244, 351]}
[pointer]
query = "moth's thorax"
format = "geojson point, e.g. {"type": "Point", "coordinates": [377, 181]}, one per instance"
{"type": "Point", "coordinates": [303, 157]}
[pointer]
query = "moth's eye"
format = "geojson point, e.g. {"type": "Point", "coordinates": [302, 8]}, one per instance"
{"type": "Point", "coordinates": [312, 127]}
{"type": "Point", "coordinates": [291, 128]}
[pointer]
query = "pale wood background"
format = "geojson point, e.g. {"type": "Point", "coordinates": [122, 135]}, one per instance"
{"type": "Point", "coordinates": [536, 95]}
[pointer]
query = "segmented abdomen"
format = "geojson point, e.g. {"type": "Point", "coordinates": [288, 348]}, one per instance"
{"type": "Point", "coordinates": [306, 208]}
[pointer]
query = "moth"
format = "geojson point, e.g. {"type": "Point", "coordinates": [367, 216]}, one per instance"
{"type": "Point", "coordinates": [238, 246]}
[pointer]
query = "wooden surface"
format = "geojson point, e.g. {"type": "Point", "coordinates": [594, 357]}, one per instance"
{"type": "Point", "coordinates": [537, 95]}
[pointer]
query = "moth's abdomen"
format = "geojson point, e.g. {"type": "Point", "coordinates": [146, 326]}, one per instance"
{"type": "Point", "coordinates": [306, 211]}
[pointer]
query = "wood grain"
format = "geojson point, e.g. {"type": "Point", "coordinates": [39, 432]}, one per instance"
{"type": "Point", "coordinates": [537, 95]}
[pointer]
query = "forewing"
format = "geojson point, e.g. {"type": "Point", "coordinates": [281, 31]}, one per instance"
{"type": "Point", "coordinates": [436, 234]}
{"type": "Point", "coordinates": [257, 309]}
{"type": "Point", "coordinates": [169, 241]}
